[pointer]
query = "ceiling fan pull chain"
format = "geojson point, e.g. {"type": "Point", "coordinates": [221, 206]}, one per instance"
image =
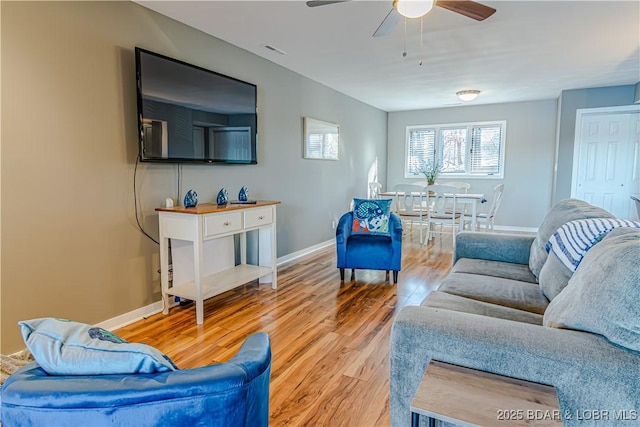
{"type": "Point", "coordinates": [404, 50]}
{"type": "Point", "coordinates": [421, 48]}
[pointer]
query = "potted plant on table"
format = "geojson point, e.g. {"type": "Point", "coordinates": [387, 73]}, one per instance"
{"type": "Point", "coordinates": [430, 171]}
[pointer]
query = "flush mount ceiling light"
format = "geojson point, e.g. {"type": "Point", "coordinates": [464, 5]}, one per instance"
{"type": "Point", "coordinates": [468, 95]}
{"type": "Point", "coordinates": [413, 8]}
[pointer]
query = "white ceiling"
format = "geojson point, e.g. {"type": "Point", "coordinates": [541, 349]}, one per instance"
{"type": "Point", "coordinates": [527, 50]}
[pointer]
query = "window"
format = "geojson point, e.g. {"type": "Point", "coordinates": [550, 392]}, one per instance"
{"type": "Point", "coordinates": [465, 149]}
{"type": "Point", "coordinates": [321, 139]}
{"type": "Point", "coordinates": [322, 146]}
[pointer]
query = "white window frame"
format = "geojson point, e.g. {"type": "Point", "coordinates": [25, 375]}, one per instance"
{"type": "Point", "coordinates": [469, 125]}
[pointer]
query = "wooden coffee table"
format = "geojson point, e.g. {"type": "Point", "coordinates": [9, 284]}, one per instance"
{"type": "Point", "coordinates": [468, 397]}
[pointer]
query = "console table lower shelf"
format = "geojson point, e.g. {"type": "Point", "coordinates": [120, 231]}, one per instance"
{"type": "Point", "coordinates": [471, 398]}
{"type": "Point", "coordinates": [220, 282]}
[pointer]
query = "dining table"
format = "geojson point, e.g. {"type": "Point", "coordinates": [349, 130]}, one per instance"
{"type": "Point", "coordinates": [474, 200]}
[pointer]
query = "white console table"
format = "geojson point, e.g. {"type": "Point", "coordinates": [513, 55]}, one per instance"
{"type": "Point", "coordinates": [203, 251]}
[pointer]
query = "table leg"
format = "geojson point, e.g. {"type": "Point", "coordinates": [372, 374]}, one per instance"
{"type": "Point", "coordinates": [474, 210]}
{"type": "Point", "coordinates": [415, 419]}
{"type": "Point", "coordinates": [164, 273]}
{"type": "Point", "coordinates": [197, 264]}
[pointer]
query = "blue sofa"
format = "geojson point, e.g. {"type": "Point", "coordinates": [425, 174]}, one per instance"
{"type": "Point", "coordinates": [369, 252]}
{"type": "Point", "coordinates": [235, 393]}
{"type": "Point", "coordinates": [510, 308]}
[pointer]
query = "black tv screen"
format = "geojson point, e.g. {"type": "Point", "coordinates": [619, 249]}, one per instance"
{"type": "Point", "coordinates": [190, 114]}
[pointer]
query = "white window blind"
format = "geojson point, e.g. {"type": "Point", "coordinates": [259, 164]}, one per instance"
{"type": "Point", "coordinates": [322, 145]}
{"type": "Point", "coordinates": [462, 149]}
{"type": "Point", "coordinates": [454, 148]}
{"type": "Point", "coordinates": [421, 147]}
{"type": "Point", "coordinates": [486, 150]}
{"type": "Point", "coordinates": [315, 144]}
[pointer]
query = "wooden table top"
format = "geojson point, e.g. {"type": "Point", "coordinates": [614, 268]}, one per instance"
{"type": "Point", "coordinates": [469, 397]}
{"type": "Point", "coordinates": [206, 208]}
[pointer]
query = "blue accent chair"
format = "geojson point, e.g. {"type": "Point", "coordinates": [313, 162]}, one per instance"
{"type": "Point", "coordinates": [369, 252]}
{"type": "Point", "coordinates": [235, 393]}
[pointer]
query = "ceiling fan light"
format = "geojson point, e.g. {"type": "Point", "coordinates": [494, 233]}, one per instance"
{"type": "Point", "coordinates": [413, 8]}
{"type": "Point", "coordinates": [468, 95]}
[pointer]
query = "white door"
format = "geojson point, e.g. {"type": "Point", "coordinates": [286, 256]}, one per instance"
{"type": "Point", "coordinates": [606, 159]}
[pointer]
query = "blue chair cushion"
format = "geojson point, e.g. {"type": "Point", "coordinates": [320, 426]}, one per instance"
{"type": "Point", "coordinates": [64, 347]}
{"type": "Point", "coordinates": [371, 216]}
{"type": "Point", "coordinates": [369, 252]}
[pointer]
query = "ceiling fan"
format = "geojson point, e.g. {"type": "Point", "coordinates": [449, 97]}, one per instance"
{"type": "Point", "coordinates": [417, 8]}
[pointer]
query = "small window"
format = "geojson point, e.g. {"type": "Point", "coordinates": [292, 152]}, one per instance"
{"type": "Point", "coordinates": [421, 147]}
{"type": "Point", "coordinates": [464, 149]}
{"type": "Point", "coordinates": [454, 150]}
{"type": "Point", "coordinates": [321, 139]}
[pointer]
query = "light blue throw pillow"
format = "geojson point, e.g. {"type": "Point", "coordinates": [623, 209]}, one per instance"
{"type": "Point", "coordinates": [64, 347]}
{"type": "Point", "coordinates": [561, 213]}
{"type": "Point", "coordinates": [371, 216]}
{"type": "Point", "coordinates": [602, 295]}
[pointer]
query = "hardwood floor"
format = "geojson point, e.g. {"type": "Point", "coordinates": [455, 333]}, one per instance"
{"type": "Point", "coordinates": [330, 341]}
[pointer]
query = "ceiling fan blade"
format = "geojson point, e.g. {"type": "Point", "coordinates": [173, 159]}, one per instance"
{"type": "Point", "coordinates": [388, 24]}
{"type": "Point", "coordinates": [324, 3]}
{"type": "Point", "coordinates": [468, 8]}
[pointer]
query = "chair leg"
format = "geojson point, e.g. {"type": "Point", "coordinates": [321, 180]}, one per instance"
{"type": "Point", "coordinates": [342, 274]}
{"type": "Point", "coordinates": [395, 276]}
{"type": "Point", "coordinates": [386, 276]}
{"type": "Point", "coordinates": [353, 274]}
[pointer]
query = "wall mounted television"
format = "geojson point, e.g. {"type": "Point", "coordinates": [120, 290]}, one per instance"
{"type": "Point", "coordinates": [188, 114]}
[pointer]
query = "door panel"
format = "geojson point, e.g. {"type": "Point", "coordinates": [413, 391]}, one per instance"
{"type": "Point", "coordinates": [608, 156]}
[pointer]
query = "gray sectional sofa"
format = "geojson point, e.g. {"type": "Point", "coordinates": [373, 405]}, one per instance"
{"type": "Point", "coordinates": [510, 308]}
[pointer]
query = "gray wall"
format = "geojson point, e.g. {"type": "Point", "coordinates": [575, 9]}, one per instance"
{"type": "Point", "coordinates": [570, 101]}
{"type": "Point", "coordinates": [70, 245]}
{"type": "Point", "coordinates": [529, 150]}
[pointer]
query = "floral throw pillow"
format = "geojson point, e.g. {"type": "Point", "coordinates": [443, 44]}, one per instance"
{"type": "Point", "coordinates": [371, 216]}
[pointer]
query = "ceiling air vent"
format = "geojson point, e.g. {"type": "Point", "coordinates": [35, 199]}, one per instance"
{"type": "Point", "coordinates": [275, 49]}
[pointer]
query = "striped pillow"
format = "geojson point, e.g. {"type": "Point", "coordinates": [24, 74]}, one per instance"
{"type": "Point", "coordinates": [572, 241]}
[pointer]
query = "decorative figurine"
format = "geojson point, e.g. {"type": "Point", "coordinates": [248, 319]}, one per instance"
{"type": "Point", "coordinates": [243, 196]}
{"type": "Point", "coordinates": [191, 199]}
{"type": "Point", "coordinates": [223, 197]}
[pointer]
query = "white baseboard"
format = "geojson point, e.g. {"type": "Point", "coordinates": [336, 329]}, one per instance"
{"type": "Point", "coordinates": [155, 308]}
{"type": "Point", "coordinates": [132, 316]}
{"type": "Point", "coordinates": [514, 228]}
{"type": "Point", "coordinates": [305, 252]}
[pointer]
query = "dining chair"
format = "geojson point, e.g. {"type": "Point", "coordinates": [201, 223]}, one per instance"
{"type": "Point", "coordinates": [374, 190]}
{"type": "Point", "coordinates": [463, 187]}
{"type": "Point", "coordinates": [441, 200]}
{"type": "Point", "coordinates": [411, 205]}
{"type": "Point", "coordinates": [488, 217]}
